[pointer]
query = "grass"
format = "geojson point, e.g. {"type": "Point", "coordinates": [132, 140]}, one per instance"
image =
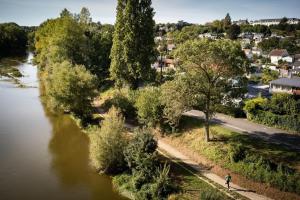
{"type": "Point", "coordinates": [191, 186]}
{"type": "Point", "coordinates": [253, 158]}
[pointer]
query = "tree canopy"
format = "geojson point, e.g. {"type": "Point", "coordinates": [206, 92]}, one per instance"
{"type": "Point", "coordinates": [213, 69]}
{"type": "Point", "coordinates": [133, 48]}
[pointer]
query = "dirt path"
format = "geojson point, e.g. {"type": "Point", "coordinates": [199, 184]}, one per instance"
{"type": "Point", "coordinates": [211, 176]}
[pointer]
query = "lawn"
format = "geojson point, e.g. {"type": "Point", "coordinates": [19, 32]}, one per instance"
{"type": "Point", "coordinates": [250, 157]}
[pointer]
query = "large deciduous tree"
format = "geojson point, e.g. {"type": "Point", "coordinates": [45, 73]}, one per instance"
{"type": "Point", "coordinates": [133, 45]}
{"type": "Point", "coordinates": [212, 68]}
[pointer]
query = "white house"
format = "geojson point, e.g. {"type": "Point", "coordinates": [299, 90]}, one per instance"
{"type": "Point", "coordinates": [248, 53]}
{"type": "Point", "coordinates": [256, 51]}
{"type": "Point", "coordinates": [269, 22]}
{"type": "Point", "coordinates": [278, 54]}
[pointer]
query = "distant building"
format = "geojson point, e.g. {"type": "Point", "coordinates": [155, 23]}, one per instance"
{"type": "Point", "coordinates": [269, 22]}
{"type": "Point", "coordinates": [170, 47]}
{"type": "Point", "coordinates": [241, 22]}
{"type": "Point", "coordinates": [278, 54]}
{"type": "Point", "coordinates": [248, 53]}
{"type": "Point", "coordinates": [286, 85]}
{"type": "Point", "coordinates": [212, 36]}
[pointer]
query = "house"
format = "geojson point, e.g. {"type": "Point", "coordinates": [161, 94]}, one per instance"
{"type": "Point", "coordinates": [212, 36]}
{"type": "Point", "coordinates": [269, 22]}
{"type": "Point", "coordinates": [278, 54]}
{"type": "Point", "coordinates": [289, 85]}
{"type": "Point", "coordinates": [256, 51]}
{"type": "Point", "coordinates": [248, 53]}
{"type": "Point", "coordinates": [170, 47]}
{"type": "Point", "coordinates": [241, 22]}
{"type": "Point", "coordinates": [245, 42]}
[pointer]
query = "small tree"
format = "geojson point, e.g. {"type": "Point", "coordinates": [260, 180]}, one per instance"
{"type": "Point", "coordinates": [71, 88]}
{"type": "Point", "coordinates": [175, 97]}
{"type": "Point", "coordinates": [149, 108]}
{"type": "Point", "coordinates": [233, 31]}
{"type": "Point", "coordinates": [107, 145]}
{"type": "Point", "coordinates": [212, 67]}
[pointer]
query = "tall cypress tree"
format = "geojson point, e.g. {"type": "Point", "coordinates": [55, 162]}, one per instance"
{"type": "Point", "coordinates": [133, 48]}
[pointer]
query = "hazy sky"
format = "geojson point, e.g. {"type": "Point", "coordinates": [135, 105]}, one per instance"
{"type": "Point", "coordinates": [33, 12]}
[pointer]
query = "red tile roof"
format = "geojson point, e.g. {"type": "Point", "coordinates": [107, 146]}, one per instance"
{"type": "Point", "coordinates": [279, 52]}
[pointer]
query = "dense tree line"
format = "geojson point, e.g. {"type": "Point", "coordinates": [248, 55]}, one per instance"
{"type": "Point", "coordinates": [72, 53]}
{"type": "Point", "coordinates": [288, 43]}
{"type": "Point", "coordinates": [13, 40]}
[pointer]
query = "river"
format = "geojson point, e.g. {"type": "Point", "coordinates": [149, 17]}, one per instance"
{"type": "Point", "coordinates": [42, 156]}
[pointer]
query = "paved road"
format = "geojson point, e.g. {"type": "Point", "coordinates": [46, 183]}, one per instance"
{"type": "Point", "coordinates": [244, 126]}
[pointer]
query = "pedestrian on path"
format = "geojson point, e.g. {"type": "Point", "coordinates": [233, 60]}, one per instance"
{"type": "Point", "coordinates": [228, 180]}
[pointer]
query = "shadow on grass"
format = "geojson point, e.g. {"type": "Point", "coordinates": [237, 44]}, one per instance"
{"type": "Point", "coordinates": [240, 190]}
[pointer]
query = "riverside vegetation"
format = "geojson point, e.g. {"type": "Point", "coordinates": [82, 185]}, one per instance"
{"type": "Point", "coordinates": [80, 61]}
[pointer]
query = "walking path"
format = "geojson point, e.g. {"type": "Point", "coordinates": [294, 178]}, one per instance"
{"type": "Point", "coordinates": [176, 155]}
{"type": "Point", "coordinates": [171, 151]}
{"type": "Point", "coordinates": [211, 176]}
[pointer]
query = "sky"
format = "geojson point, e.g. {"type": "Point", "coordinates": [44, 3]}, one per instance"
{"type": "Point", "coordinates": [34, 12]}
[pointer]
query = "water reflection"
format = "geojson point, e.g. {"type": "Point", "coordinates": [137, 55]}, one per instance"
{"type": "Point", "coordinates": [43, 156]}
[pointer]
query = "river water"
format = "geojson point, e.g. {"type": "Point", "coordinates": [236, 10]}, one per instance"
{"type": "Point", "coordinates": [42, 156]}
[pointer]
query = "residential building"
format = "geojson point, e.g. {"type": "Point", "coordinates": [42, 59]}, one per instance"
{"type": "Point", "coordinates": [289, 85]}
{"type": "Point", "coordinates": [278, 54]}
{"type": "Point", "coordinates": [257, 51]}
{"type": "Point", "coordinates": [241, 22]}
{"type": "Point", "coordinates": [248, 53]}
{"type": "Point", "coordinates": [269, 22]}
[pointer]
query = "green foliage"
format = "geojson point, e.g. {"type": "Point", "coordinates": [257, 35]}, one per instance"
{"type": "Point", "coordinates": [289, 44]}
{"type": "Point", "coordinates": [211, 195]}
{"type": "Point", "coordinates": [124, 100]}
{"type": "Point", "coordinates": [237, 153]}
{"type": "Point", "coordinates": [175, 97]}
{"type": "Point", "coordinates": [71, 88]}
{"type": "Point", "coordinates": [256, 29]}
{"type": "Point", "coordinates": [133, 49]}
{"type": "Point", "coordinates": [187, 33]}
{"type": "Point", "coordinates": [149, 108]}
{"type": "Point", "coordinates": [140, 154]}
{"type": "Point", "coordinates": [211, 68]}
{"type": "Point", "coordinates": [282, 111]}
{"type": "Point", "coordinates": [269, 75]}
{"type": "Point", "coordinates": [75, 39]}
{"type": "Point", "coordinates": [13, 40]}
{"type": "Point", "coordinates": [107, 145]}
{"type": "Point", "coordinates": [233, 31]}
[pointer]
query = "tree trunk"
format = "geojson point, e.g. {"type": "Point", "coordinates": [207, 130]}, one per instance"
{"type": "Point", "coordinates": [207, 127]}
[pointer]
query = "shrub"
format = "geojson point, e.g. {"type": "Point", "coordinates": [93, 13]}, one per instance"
{"type": "Point", "coordinates": [140, 154]}
{"type": "Point", "coordinates": [107, 145]}
{"type": "Point", "coordinates": [148, 105]}
{"type": "Point", "coordinates": [124, 100]}
{"type": "Point", "coordinates": [71, 88]}
{"type": "Point", "coordinates": [237, 153]}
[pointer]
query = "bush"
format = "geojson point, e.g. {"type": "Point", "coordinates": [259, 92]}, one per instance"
{"type": "Point", "coordinates": [71, 88]}
{"type": "Point", "coordinates": [237, 153]}
{"type": "Point", "coordinates": [148, 105]}
{"type": "Point", "coordinates": [140, 154]}
{"type": "Point", "coordinates": [107, 145]}
{"type": "Point", "coordinates": [280, 111]}
{"type": "Point", "coordinates": [124, 100]}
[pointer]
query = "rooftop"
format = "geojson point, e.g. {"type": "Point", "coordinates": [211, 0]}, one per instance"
{"type": "Point", "coordinates": [279, 52]}
{"type": "Point", "coordinates": [292, 82]}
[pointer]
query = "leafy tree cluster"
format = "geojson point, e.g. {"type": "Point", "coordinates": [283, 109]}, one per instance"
{"type": "Point", "coordinates": [276, 43]}
{"type": "Point", "coordinates": [135, 159]}
{"type": "Point", "coordinates": [13, 40]}
{"type": "Point", "coordinates": [77, 39]}
{"type": "Point", "coordinates": [282, 111]}
{"type": "Point", "coordinates": [256, 29]}
{"type": "Point", "coordinates": [269, 75]}
{"type": "Point", "coordinates": [73, 55]}
{"type": "Point", "coordinates": [133, 49]}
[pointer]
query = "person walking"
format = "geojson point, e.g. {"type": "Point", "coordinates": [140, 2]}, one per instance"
{"type": "Point", "coordinates": [228, 180]}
